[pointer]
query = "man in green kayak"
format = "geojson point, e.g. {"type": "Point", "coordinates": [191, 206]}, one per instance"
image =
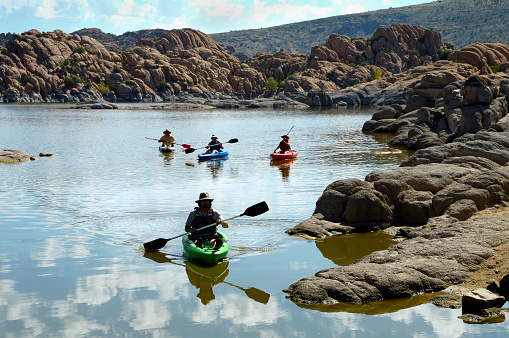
{"type": "Point", "coordinates": [167, 139]}
{"type": "Point", "coordinates": [201, 216]}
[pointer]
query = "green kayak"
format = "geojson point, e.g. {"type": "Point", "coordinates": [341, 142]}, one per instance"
{"type": "Point", "coordinates": [207, 255]}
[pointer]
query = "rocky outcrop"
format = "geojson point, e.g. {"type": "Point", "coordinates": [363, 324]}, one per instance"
{"type": "Point", "coordinates": [119, 42]}
{"type": "Point", "coordinates": [482, 55]}
{"type": "Point", "coordinates": [56, 66]}
{"type": "Point", "coordinates": [14, 155]}
{"type": "Point", "coordinates": [343, 62]}
{"type": "Point", "coordinates": [450, 107]}
{"type": "Point", "coordinates": [429, 259]}
{"type": "Point", "coordinates": [461, 167]}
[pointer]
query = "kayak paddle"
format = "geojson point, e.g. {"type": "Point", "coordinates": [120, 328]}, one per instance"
{"type": "Point", "coordinates": [191, 150]}
{"type": "Point", "coordinates": [252, 211]}
{"type": "Point", "coordinates": [183, 145]}
{"type": "Point", "coordinates": [255, 294]}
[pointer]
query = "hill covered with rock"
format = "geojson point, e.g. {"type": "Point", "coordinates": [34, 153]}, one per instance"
{"type": "Point", "coordinates": [60, 67]}
{"type": "Point", "coordinates": [461, 22]}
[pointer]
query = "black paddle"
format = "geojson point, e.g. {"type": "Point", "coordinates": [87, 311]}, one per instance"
{"type": "Point", "coordinates": [190, 150]}
{"type": "Point", "coordinates": [252, 211]}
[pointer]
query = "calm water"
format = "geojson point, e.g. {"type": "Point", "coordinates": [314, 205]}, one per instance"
{"type": "Point", "coordinates": [72, 226]}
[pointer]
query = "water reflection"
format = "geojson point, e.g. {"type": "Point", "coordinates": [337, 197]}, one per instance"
{"type": "Point", "coordinates": [284, 167]}
{"type": "Point", "coordinates": [205, 277]}
{"type": "Point", "coordinates": [344, 249]}
{"type": "Point", "coordinates": [167, 157]}
{"type": "Point", "coordinates": [375, 308]}
{"type": "Point", "coordinates": [215, 166]}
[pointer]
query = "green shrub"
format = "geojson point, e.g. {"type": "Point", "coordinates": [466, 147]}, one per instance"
{"type": "Point", "coordinates": [352, 65]}
{"type": "Point", "coordinates": [375, 74]}
{"type": "Point", "coordinates": [162, 85]}
{"type": "Point", "coordinates": [364, 63]}
{"type": "Point", "coordinates": [104, 88]}
{"type": "Point", "coordinates": [495, 69]}
{"type": "Point", "coordinates": [79, 50]}
{"type": "Point", "coordinates": [69, 82]}
{"type": "Point", "coordinates": [272, 84]}
{"type": "Point", "coordinates": [415, 52]}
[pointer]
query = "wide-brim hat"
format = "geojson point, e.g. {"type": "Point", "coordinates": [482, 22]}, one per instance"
{"type": "Point", "coordinates": [285, 136]}
{"type": "Point", "coordinates": [204, 196]}
{"type": "Point", "coordinates": [213, 136]}
{"type": "Point", "coordinates": [166, 131]}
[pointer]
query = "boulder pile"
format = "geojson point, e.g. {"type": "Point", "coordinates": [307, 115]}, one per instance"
{"type": "Point", "coordinates": [59, 67]}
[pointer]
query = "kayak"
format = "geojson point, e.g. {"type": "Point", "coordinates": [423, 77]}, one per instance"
{"type": "Point", "coordinates": [284, 156]}
{"type": "Point", "coordinates": [214, 156]}
{"type": "Point", "coordinates": [207, 255]}
{"type": "Point", "coordinates": [166, 149]}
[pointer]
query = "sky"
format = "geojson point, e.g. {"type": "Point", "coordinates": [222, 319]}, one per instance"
{"type": "Point", "coordinates": [208, 16]}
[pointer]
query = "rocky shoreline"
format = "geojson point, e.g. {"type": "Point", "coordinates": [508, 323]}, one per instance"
{"type": "Point", "coordinates": [461, 167]}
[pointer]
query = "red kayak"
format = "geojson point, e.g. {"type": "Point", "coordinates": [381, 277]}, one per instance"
{"type": "Point", "coordinates": [284, 156]}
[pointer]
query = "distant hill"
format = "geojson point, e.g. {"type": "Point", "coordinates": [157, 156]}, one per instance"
{"type": "Point", "coordinates": [460, 22]}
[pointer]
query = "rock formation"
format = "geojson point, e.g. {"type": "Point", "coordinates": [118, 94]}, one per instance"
{"type": "Point", "coordinates": [461, 167]}
{"type": "Point", "coordinates": [55, 66]}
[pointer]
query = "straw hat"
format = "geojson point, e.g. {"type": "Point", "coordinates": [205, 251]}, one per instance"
{"type": "Point", "coordinates": [285, 136]}
{"type": "Point", "coordinates": [204, 196]}
{"type": "Point", "coordinates": [166, 131]}
{"type": "Point", "coordinates": [213, 136]}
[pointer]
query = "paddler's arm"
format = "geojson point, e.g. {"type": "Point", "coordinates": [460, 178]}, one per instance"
{"type": "Point", "coordinates": [189, 221]}
{"type": "Point", "coordinates": [224, 224]}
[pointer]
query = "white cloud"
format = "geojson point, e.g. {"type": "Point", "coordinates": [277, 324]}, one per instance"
{"type": "Point", "coordinates": [126, 8]}
{"type": "Point", "coordinates": [268, 15]}
{"type": "Point", "coordinates": [354, 8]}
{"type": "Point", "coordinates": [219, 8]}
{"type": "Point", "coordinates": [47, 10]}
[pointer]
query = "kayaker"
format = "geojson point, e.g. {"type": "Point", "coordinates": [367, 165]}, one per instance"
{"type": "Point", "coordinates": [284, 145]}
{"type": "Point", "coordinates": [201, 216]}
{"type": "Point", "coordinates": [214, 145]}
{"type": "Point", "coordinates": [167, 139]}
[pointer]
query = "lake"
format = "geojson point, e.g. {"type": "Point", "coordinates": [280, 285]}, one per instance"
{"type": "Point", "coordinates": [72, 226]}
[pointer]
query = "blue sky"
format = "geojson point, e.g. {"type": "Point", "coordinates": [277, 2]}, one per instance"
{"type": "Point", "coordinates": [208, 16]}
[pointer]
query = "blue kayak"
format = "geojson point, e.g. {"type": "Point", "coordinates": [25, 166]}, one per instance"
{"type": "Point", "coordinates": [214, 156]}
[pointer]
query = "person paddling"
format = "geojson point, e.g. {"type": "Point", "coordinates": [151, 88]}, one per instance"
{"type": "Point", "coordinates": [167, 139]}
{"type": "Point", "coordinates": [201, 216]}
{"type": "Point", "coordinates": [284, 145]}
{"type": "Point", "coordinates": [214, 145]}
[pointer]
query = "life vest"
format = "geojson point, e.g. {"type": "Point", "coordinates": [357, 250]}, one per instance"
{"type": "Point", "coordinates": [284, 146]}
{"type": "Point", "coordinates": [200, 221]}
{"type": "Point", "coordinates": [214, 145]}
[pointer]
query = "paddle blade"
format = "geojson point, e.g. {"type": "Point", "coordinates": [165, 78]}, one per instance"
{"type": "Point", "coordinates": [189, 150]}
{"type": "Point", "coordinates": [233, 140]}
{"type": "Point", "coordinates": [257, 295]}
{"type": "Point", "coordinates": [256, 209]}
{"type": "Point", "coordinates": [187, 146]}
{"type": "Point", "coordinates": [156, 244]}
{"type": "Point", "coordinates": [150, 138]}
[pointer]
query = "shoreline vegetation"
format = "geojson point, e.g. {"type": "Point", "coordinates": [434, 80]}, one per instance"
{"type": "Point", "coordinates": [449, 105]}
